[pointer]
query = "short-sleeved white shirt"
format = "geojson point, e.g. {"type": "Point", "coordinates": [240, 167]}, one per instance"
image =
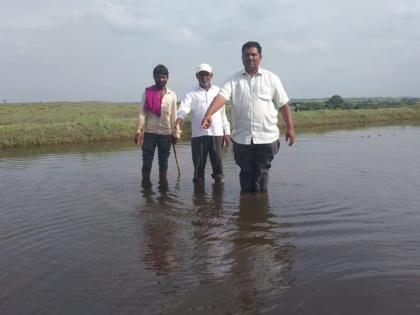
{"type": "Point", "coordinates": [255, 102]}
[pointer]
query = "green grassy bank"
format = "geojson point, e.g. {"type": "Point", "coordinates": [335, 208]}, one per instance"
{"type": "Point", "coordinates": [345, 118]}
{"type": "Point", "coordinates": [36, 124]}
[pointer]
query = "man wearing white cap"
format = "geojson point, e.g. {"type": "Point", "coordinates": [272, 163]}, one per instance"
{"type": "Point", "coordinates": [205, 141]}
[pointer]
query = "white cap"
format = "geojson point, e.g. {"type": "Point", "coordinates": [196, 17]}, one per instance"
{"type": "Point", "coordinates": [204, 67]}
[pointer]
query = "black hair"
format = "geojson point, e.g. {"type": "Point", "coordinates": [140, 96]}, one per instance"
{"type": "Point", "coordinates": [160, 69]}
{"type": "Point", "coordinates": [252, 44]}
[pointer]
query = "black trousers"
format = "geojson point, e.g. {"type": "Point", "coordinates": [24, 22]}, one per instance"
{"type": "Point", "coordinates": [254, 161]}
{"type": "Point", "coordinates": [200, 148]}
{"type": "Point", "coordinates": [150, 142]}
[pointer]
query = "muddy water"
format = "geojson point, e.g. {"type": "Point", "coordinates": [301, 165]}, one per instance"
{"type": "Point", "coordinates": [337, 232]}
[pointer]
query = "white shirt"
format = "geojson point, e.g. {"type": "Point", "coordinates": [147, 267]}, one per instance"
{"type": "Point", "coordinates": [197, 101]}
{"type": "Point", "coordinates": [255, 102]}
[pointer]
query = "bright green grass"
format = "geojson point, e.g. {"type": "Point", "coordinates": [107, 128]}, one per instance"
{"type": "Point", "coordinates": [36, 124]}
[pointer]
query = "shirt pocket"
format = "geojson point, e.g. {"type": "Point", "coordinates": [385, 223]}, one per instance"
{"type": "Point", "coordinates": [266, 93]}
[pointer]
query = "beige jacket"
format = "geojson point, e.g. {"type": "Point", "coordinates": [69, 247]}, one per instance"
{"type": "Point", "coordinates": [163, 125]}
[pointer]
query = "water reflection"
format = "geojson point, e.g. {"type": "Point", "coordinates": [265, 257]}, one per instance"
{"type": "Point", "coordinates": [209, 206]}
{"type": "Point", "coordinates": [211, 234]}
{"type": "Point", "coordinates": [239, 253]}
{"type": "Point", "coordinates": [263, 255]}
{"type": "Point", "coordinates": [160, 233]}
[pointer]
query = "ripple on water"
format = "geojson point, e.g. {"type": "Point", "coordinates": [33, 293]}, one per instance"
{"type": "Point", "coordinates": [78, 234]}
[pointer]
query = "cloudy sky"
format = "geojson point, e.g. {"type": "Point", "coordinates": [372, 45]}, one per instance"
{"type": "Point", "coordinates": [106, 50]}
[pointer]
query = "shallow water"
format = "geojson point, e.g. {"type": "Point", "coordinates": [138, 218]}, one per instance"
{"type": "Point", "coordinates": [336, 234]}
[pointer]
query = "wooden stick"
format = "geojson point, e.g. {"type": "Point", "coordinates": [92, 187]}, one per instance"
{"type": "Point", "coordinates": [176, 160]}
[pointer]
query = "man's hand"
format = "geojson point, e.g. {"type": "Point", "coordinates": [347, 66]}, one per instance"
{"type": "Point", "coordinates": [226, 140]}
{"type": "Point", "coordinates": [288, 120]}
{"type": "Point", "coordinates": [174, 140]}
{"type": "Point", "coordinates": [290, 136]}
{"type": "Point", "coordinates": [138, 138]}
{"type": "Point", "coordinates": [179, 121]}
{"type": "Point", "coordinates": [206, 122]}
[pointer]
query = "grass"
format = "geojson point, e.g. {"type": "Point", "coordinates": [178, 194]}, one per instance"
{"type": "Point", "coordinates": [356, 117]}
{"type": "Point", "coordinates": [37, 124]}
{"type": "Point", "coordinates": [58, 112]}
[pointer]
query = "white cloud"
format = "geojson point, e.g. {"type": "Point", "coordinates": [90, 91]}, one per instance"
{"type": "Point", "coordinates": [300, 47]}
{"type": "Point", "coordinates": [182, 35]}
{"type": "Point", "coordinates": [116, 43]}
{"type": "Point", "coordinates": [122, 17]}
{"type": "Point", "coordinates": [407, 8]}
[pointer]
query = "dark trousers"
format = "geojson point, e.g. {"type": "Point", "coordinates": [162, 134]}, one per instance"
{"type": "Point", "coordinates": [255, 162]}
{"type": "Point", "coordinates": [200, 148]}
{"type": "Point", "coordinates": [150, 142]}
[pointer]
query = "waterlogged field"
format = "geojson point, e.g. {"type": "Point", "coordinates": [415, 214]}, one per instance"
{"type": "Point", "coordinates": [337, 232]}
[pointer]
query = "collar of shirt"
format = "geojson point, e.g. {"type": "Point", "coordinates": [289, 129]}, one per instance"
{"type": "Point", "coordinates": [259, 72]}
{"type": "Point", "coordinates": [169, 91]}
{"type": "Point", "coordinates": [212, 87]}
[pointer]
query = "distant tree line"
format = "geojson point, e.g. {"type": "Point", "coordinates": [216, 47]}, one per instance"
{"type": "Point", "coordinates": [337, 102]}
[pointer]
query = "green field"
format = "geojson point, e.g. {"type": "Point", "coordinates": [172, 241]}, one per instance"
{"type": "Point", "coordinates": [36, 124]}
{"type": "Point", "coordinates": [65, 122]}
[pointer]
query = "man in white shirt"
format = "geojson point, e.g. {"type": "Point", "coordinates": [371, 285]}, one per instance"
{"type": "Point", "coordinates": [205, 141]}
{"type": "Point", "coordinates": [256, 97]}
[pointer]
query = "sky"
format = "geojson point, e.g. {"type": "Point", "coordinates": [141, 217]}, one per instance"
{"type": "Point", "coordinates": [82, 50]}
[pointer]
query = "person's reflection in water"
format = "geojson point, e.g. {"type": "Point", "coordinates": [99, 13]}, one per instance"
{"type": "Point", "coordinates": [200, 196]}
{"type": "Point", "coordinates": [160, 231]}
{"type": "Point", "coordinates": [209, 206]}
{"type": "Point", "coordinates": [211, 244]}
{"type": "Point", "coordinates": [262, 254]}
{"type": "Point", "coordinates": [163, 187]}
